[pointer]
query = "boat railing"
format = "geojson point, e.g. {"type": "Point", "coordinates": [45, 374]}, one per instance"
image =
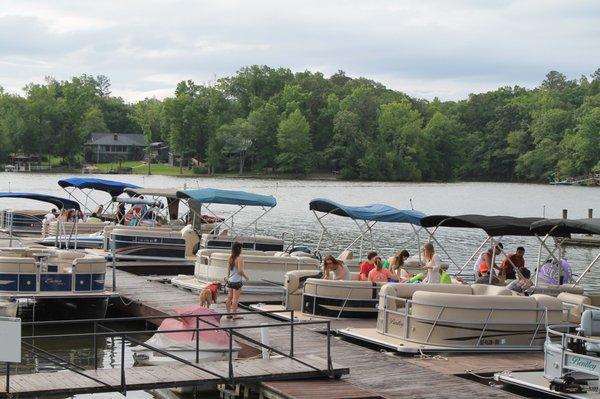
{"type": "Point", "coordinates": [408, 318]}
{"type": "Point", "coordinates": [102, 331]}
{"type": "Point", "coordinates": [573, 350]}
{"type": "Point", "coordinates": [374, 288]}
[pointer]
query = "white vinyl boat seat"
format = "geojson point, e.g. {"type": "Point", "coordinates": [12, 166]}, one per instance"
{"type": "Point", "coordinates": [590, 327]}
{"type": "Point", "coordinates": [575, 305]}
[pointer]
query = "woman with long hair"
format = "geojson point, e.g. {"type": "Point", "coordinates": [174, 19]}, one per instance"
{"type": "Point", "coordinates": [432, 265]}
{"type": "Point", "coordinates": [334, 269]}
{"type": "Point", "coordinates": [235, 282]}
{"type": "Point", "coordinates": [395, 265]}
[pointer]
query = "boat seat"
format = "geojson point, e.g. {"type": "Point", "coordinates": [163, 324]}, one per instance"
{"type": "Point", "coordinates": [590, 327]}
{"type": "Point", "coordinates": [345, 255]}
{"type": "Point", "coordinates": [486, 289]}
{"type": "Point", "coordinates": [406, 291]}
{"type": "Point", "coordinates": [575, 304]}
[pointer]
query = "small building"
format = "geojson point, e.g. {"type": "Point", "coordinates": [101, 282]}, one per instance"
{"type": "Point", "coordinates": [25, 163]}
{"type": "Point", "coordinates": [114, 147]}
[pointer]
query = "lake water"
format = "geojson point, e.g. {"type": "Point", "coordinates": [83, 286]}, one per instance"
{"type": "Point", "coordinates": [293, 216]}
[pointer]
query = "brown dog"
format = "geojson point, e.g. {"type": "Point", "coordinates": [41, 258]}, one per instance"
{"type": "Point", "coordinates": [208, 295]}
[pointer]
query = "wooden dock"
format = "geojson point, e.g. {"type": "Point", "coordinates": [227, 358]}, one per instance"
{"type": "Point", "coordinates": [166, 376]}
{"type": "Point", "coordinates": [384, 374]}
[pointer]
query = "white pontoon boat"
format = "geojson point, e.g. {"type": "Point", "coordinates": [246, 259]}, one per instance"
{"type": "Point", "coordinates": [30, 222]}
{"type": "Point", "coordinates": [64, 284]}
{"type": "Point", "coordinates": [264, 257]}
{"type": "Point", "coordinates": [476, 318]}
{"type": "Point", "coordinates": [306, 292]}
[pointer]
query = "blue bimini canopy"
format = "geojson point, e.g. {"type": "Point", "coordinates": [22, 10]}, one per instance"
{"type": "Point", "coordinates": [229, 197]}
{"type": "Point", "coordinates": [372, 212]}
{"type": "Point", "coordinates": [61, 203]}
{"type": "Point", "coordinates": [114, 188]}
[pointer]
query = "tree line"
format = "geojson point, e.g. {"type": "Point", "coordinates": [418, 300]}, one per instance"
{"type": "Point", "coordinates": [271, 119]}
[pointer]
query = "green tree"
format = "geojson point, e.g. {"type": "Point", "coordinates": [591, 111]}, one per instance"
{"type": "Point", "coordinates": [347, 145]}
{"type": "Point", "coordinates": [293, 140]}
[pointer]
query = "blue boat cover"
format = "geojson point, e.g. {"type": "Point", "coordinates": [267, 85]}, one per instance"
{"type": "Point", "coordinates": [112, 187]}
{"type": "Point", "coordinates": [61, 203]}
{"type": "Point", "coordinates": [372, 212]}
{"type": "Point", "coordinates": [229, 197]}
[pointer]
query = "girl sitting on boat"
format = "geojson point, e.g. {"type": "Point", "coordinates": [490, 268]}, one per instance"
{"type": "Point", "coordinates": [334, 269]}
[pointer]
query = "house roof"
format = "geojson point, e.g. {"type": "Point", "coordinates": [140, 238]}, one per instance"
{"type": "Point", "coordinates": [136, 140]}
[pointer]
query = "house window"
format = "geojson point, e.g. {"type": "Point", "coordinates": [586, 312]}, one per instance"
{"type": "Point", "coordinates": [106, 148]}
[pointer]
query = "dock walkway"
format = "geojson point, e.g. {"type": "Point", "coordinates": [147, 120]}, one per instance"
{"type": "Point", "coordinates": [385, 374]}
{"type": "Point", "coordinates": [166, 376]}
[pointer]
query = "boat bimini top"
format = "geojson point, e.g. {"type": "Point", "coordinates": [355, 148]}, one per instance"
{"type": "Point", "coordinates": [205, 197]}
{"type": "Point", "coordinates": [369, 215]}
{"type": "Point", "coordinates": [86, 185]}
{"type": "Point", "coordinates": [564, 228]}
{"type": "Point", "coordinates": [60, 203]}
{"type": "Point", "coordinates": [493, 226]}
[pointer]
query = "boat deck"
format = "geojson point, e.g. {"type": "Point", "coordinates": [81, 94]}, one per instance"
{"type": "Point", "coordinates": [387, 375]}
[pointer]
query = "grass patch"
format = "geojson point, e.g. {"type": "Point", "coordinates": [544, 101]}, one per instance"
{"type": "Point", "coordinates": [141, 168]}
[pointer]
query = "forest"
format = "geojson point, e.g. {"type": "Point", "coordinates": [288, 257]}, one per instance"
{"type": "Point", "coordinates": [272, 120]}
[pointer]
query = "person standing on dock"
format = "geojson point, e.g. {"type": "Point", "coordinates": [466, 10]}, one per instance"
{"type": "Point", "coordinates": [235, 282]}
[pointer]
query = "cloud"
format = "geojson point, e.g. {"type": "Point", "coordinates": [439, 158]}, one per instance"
{"type": "Point", "coordinates": [427, 48]}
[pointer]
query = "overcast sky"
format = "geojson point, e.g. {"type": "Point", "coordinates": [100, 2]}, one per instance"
{"type": "Point", "coordinates": [426, 48]}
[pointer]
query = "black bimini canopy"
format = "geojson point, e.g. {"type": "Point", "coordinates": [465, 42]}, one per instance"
{"type": "Point", "coordinates": [564, 227]}
{"type": "Point", "coordinates": [61, 203]}
{"type": "Point", "coordinates": [492, 225]}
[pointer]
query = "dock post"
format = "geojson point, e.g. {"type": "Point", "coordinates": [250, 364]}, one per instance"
{"type": "Point", "coordinates": [94, 347]}
{"type": "Point", "coordinates": [231, 356]}
{"type": "Point", "coordinates": [292, 333]}
{"type": "Point", "coordinates": [197, 341]}
{"type": "Point", "coordinates": [590, 213]}
{"type": "Point", "coordinates": [7, 377]}
{"type": "Point", "coordinates": [564, 213]}
{"type": "Point", "coordinates": [114, 269]}
{"type": "Point", "coordinates": [329, 364]}
{"type": "Point", "coordinates": [123, 383]}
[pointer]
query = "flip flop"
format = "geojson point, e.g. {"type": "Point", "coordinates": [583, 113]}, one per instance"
{"type": "Point", "coordinates": [236, 317]}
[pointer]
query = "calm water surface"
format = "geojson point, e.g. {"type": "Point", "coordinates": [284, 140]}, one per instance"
{"type": "Point", "coordinates": [292, 215]}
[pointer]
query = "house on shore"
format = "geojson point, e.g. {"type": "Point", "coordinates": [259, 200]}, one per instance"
{"type": "Point", "coordinates": [114, 147]}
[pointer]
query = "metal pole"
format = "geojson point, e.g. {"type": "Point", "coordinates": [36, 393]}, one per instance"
{"type": "Point", "coordinates": [292, 333]}
{"type": "Point", "coordinates": [539, 260]}
{"type": "Point", "coordinates": [114, 267]}
{"type": "Point", "coordinates": [7, 377]}
{"type": "Point", "coordinates": [197, 340]}
{"type": "Point", "coordinates": [123, 386]}
{"type": "Point", "coordinates": [492, 261]}
{"type": "Point", "coordinates": [587, 269]}
{"type": "Point", "coordinates": [230, 356]}
{"type": "Point", "coordinates": [329, 363]}
{"type": "Point", "coordinates": [94, 348]}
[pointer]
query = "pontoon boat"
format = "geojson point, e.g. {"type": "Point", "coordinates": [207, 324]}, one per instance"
{"type": "Point", "coordinates": [264, 257]}
{"type": "Point", "coordinates": [312, 296]}
{"type": "Point", "coordinates": [477, 318]}
{"type": "Point", "coordinates": [64, 284]}
{"type": "Point", "coordinates": [29, 222]}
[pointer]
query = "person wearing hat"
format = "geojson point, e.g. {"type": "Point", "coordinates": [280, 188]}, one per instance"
{"type": "Point", "coordinates": [485, 269]}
